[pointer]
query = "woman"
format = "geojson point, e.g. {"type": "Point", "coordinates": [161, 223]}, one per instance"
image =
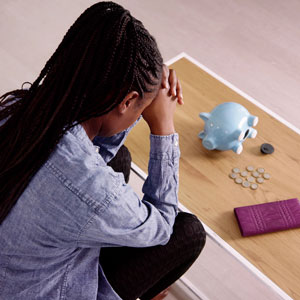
{"type": "Point", "coordinates": [71, 228]}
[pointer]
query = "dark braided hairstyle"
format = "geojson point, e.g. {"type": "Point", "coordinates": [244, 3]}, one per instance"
{"type": "Point", "coordinates": [104, 55]}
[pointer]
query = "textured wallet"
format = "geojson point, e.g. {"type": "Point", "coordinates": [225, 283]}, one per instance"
{"type": "Point", "coordinates": [268, 217]}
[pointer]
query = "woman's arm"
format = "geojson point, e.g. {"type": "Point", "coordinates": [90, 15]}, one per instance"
{"type": "Point", "coordinates": [109, 146]}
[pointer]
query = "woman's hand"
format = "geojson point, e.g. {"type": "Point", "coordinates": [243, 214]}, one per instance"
{"type": "Point", "coordinates": [159, 114]}
{"type": "Point", "coordinates": [170, 80]}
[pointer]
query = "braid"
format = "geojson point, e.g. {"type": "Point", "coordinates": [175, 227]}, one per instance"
{"type": "Point", "coordinates": [104, 55]}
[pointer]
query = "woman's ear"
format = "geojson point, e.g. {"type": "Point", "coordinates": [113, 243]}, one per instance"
{"type": "Point", "coordinates": [128, 102]}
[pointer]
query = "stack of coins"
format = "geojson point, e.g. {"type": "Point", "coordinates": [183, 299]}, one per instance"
{"type": "Point", "coordinates": [250, 177]}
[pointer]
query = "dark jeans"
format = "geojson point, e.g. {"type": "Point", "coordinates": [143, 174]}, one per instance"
{"type": "Point", "coordinates": [145, 272]}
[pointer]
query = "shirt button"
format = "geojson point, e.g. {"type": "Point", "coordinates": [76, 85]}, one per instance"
{"type": "Point", "coordinates": [176, 143]}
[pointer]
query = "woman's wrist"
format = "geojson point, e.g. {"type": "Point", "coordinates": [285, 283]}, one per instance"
{"type": "Point", "coordinates": [162, 129]}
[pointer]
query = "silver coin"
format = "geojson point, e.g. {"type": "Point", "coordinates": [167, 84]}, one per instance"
{"type": "Point", "coordinates": [260, 180]}
{"type": "Point", "coordinates": [238, 180]}
{"type": "Point", "coordinates": [244, 173]}
{"type": "Point", "coordinates": [233, 175]}
{"type": "Point", "coordinates": [246, 184]}
{"type": "Point", "coordinates": [251, 179]}
{"type": "Point", "coordinates": [236, 170]}
{"type": "Point", "coordinates": [255, 174]}
{"type": "Point", "coordinates": [250, 168]}
{"type": "Point", "coordinates": [267, 176]}
{"type": "Point", "coordinates": [261, 170]}
{"type": "Point", "coordinates": [254, 186]}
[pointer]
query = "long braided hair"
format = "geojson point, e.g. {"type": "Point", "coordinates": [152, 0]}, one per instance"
{"type": "Point", "coordinates": [104, 55]}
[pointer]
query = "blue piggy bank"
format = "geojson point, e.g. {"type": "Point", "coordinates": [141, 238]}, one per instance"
{"type": "Point", "coordinates": [227, 126]}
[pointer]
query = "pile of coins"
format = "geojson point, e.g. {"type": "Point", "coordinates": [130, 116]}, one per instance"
{"type": "Point", "coordinates": [249, 177]}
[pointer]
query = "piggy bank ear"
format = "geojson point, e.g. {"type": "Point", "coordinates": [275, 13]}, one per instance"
{"type": "Point", "coordinates": [204, 116]}
{"type": "Point", "coordinates": [252, 120]}
{"type": "Point", "coordinates": [201, 135]}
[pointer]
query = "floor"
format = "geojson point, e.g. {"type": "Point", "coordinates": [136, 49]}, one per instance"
{"type": "Point", "coordinates": [216, 274]}
{"type": "Point", "coordinates": [252, 44]}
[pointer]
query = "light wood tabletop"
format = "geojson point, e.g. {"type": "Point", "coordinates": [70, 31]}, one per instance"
{"type": "Point", "coordinates": [205, 186]}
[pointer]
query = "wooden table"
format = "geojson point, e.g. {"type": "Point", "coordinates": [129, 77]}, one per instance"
{"type": "Point", "coordinates": [205, 187]}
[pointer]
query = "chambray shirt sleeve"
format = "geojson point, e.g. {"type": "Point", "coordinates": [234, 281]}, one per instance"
{"type": "Point", "coordinates": [109, 146]}
{"type": "Point", "coordinates": [130, 221]}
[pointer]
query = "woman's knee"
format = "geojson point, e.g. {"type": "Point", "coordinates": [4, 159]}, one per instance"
{"type": "Point", "coordinates": [192, 231]}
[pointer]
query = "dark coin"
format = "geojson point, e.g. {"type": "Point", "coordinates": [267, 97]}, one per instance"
{"type": "Point", "coordinates": [267, 148]}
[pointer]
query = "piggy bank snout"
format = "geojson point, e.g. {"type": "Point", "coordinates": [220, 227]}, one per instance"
{"type": "Point", "coordinates": [209, 143]}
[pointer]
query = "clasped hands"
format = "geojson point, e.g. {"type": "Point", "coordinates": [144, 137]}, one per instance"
{"type": "Point", "coordinates": [160, 113]}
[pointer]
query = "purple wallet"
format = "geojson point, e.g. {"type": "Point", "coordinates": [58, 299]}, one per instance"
{"type": "Point", "coordinates": [268, 217]}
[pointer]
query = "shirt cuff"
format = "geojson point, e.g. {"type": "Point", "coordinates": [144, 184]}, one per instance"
{"type": "Point", "coordinates": [164, 146]}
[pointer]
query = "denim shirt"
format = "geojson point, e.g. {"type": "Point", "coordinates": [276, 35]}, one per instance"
{"type": "Point", "coordinates": [74, 205]}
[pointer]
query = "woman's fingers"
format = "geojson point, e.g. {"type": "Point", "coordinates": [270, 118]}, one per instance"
{"type": "Point", "coordinates": [175, 86]}
{"type": "Point", "coordinates": [165, 77]}
{"type": "Point", "coordinates": [179, 93]}
{"type": "Point", "coordinates": [171, 82]}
